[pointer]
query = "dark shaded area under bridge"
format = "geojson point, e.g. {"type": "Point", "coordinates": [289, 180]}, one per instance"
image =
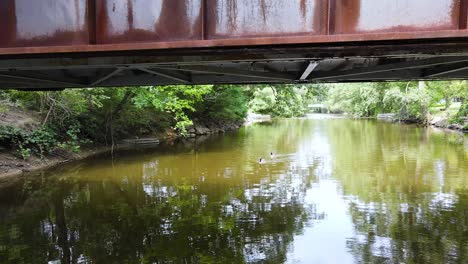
{"type": "Point", "coordinates": [56, 44]}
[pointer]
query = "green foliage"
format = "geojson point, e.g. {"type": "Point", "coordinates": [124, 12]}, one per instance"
{"type": "Point", "coordinates": [461, 115]}
{"type": "Point", "coordinates": [178, 100]}
{"type": "Point", "coordinates": [224, 102]}
{"type": "Point", "coordinates": [316, 93]}
{"type": "Point", "coordinates": [447, 91]}
{"type": "Point", "coordinates": [463, 112]}
{"type": "Point", "coordinates": [280, 101]}
{"type": "Point", "coordinates": [263, 100]}
{"type": "Point", "coordinates": [290, 102]}
{"type": "Point", "coordinates": [24, 153]}
{"type": "Point", "coordinates": [409, 100]}
{"type": "Point", "coordinates": [103, 115]}
{"type": "Point", "coordinates": [4, 99]}
{"type": "Point", "coordinates": [360, 100]}
{"type": "Point", "coordinates": [10, 136]}
{"type": "Point", "coordinates": [39, 142]}
{"type": "Point", "coordinates": [30, 100]}
{"type": "Point", "coordinates": [409, 105]}
{"type": "Point", "coordinates": [72, 141]}
{"type": "Point", "coordinates": [74, 117]}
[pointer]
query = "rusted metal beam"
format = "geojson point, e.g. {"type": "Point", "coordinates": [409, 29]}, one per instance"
{"type": "Point", "coordinates": [36, 79]}
{"type": "Point", "coordinates": [170, 75]}
{"type": "Point", "coordinates": [388, 67]}
{"type": "Point", "coordinates": [227, 55]}
{"type": "Point", "coordinates": [444, 70]}
{"type": "Point", "coordinates": [308, 70]}
{"type": "Point", "coordinates": [231, 71]}
{"type": "Point", "coordinates": [405, 74]}
{"type": "Point", "coordinates": [141, 79]}
{"type": "Point", "coordinates": [463, 14]}
{"type": "Point", "coordinates": [105, 77]}
{"type": "Point", "coordinates": [239, 42]}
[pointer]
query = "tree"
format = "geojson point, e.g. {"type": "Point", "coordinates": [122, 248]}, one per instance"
{"type": "Point", "coordinates": [361, 100]}
{"type": "Point", "coordinates": [447, 91]}
{"type": "Point", "coordinates": [178, 100]}
{"type": "Point", "coordinates": [280, 101]}
{"type": "Point", "coordinates": [224, 102]}
{"type": "Point", "coordinates": [263, 100]}
{"type": "Point", "coordinates": [411, 104]}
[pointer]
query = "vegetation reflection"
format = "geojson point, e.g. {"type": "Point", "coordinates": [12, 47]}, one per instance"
{"type": "Point", "coordinates": [408, 202]}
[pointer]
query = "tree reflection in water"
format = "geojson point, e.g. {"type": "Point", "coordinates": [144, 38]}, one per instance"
{"type": "Point", "coordinates": [407, 192]}
{"type": "Point", "coordinates": [155, 212]}
{"type": "Point", "coordinates": [373, 192]}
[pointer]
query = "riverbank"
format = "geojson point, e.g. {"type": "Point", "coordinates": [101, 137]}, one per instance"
{"type": "Point", "coordinates": [11, 165]}
{"type": "Point", "coordinates": [212, 126]}
{"type": "Point", "coordinates": [444, 123]}
{"type": "Point", "coordinates": [42, 129]}
{"type": "Point", "coordinates": [441, 122]}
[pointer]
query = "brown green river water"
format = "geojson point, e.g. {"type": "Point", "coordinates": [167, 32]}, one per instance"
{"type": "Point", "coordinates": [336, 191]}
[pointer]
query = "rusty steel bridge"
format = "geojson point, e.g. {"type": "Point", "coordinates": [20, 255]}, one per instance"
{"type": "Point", "coordinates": [56, 44]}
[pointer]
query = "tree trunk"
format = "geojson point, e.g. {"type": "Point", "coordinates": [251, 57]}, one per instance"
{"type": "Point", "coordinates": [62, 229]}
{"type": "Point", "coordinates": [447, 102]}
{"type": "Point", "coordinates": [421, 85]}
{"type": "Point", "coordinates": [127, 96]}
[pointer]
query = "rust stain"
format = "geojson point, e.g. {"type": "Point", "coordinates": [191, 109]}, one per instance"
{"type": "Point", "coordinates": [130, 15]}
{"type": "Point", "coordinates": [370, 16]}
{"type": "Point", "coordinates": [303, 7]}
{"type": "Point", "coordinates": [463, 14]}
{"type": "Point", "coordinates": [149, 20]}
{"type": "Point", "coordinates": [248, 18]}
{"type": "Point", "coordinates": [26, 23]}
{"type": "Point", "coordinates": [263, 8]}
{"type": "Point", "coordinates": [166, 26]}
{"type": "Point", "coordinates": [231, 14]}
{"type": "Point", "coordinates": [397, 39]}
{"type": "Point", "coordinates": [91, 17]}
{"type": "Point", "coordinates": [7, 22]}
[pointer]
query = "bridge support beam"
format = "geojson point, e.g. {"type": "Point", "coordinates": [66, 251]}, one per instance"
{"type": "Point", "coordinates": [308, 70]}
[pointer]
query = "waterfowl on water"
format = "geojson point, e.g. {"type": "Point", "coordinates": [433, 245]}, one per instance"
{"type": "Point", "coordinates": [261, 161]}
{"type": "Point", "coordinates": [272, 155]}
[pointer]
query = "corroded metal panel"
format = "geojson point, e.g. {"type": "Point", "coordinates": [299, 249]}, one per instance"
{"type": "Point", "coordinates": [382, 16]}
{"type": "Point", "coordinates": [262, 18]}
{"type": "Point", "coordinates": [26, 23]}
{"type": "Point", "coordinates": [463, 14]}
{"type": "Point", "coordinates": [82, 26]}
{"type": "Point", "coordinates": [120, 21]}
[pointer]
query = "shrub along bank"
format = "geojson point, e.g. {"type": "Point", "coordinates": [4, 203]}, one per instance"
{"type": "Point", "coordinates": [415, 102]}
{"type": "Point", "coordinates": [73, 118]}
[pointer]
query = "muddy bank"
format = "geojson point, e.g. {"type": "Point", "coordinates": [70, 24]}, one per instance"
{"type": "Point", "coordinates": [11, 165]}
{"type": "Point", "coordinates": [207, 127]}
{"type": "Point", "coordinates": [444, 123]}
{"type": "Point", "coordinates": [434, 121]}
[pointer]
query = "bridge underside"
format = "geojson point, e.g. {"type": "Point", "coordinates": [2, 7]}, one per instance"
{"type": "Point", "coordinates": [57, 44]}
{"type": "Point", "coordinates": [303, 63]}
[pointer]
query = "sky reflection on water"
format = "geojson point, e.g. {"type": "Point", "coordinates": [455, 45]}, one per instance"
{"type": "Point", "coordinates": [337, 191]}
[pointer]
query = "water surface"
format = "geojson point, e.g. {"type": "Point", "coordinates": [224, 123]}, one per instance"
{"type": "Point", "coordinates": [336, 191]}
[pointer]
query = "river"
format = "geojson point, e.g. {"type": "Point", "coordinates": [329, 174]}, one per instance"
{"type": "Point", "coordinates": [336, 191]}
